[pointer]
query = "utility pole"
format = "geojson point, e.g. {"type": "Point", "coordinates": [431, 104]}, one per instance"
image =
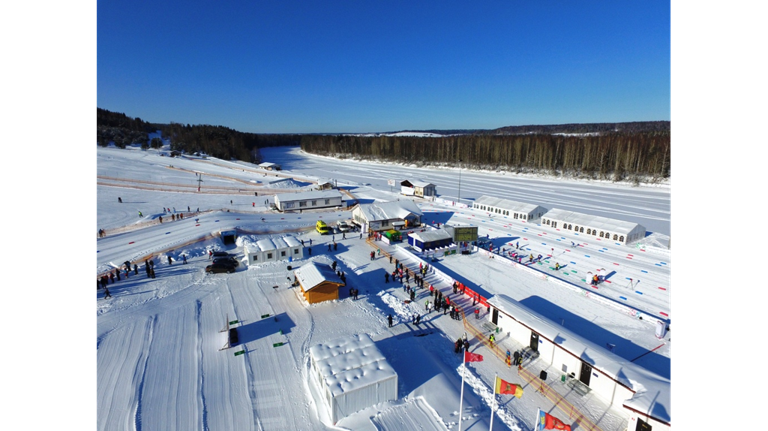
{"type": "Point", "coordinates": [199, 180]}
{"type": "Point", "coordinates": [459, 180]}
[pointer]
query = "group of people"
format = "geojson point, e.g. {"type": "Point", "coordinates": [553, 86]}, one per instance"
{"type": "Point", "coordinates": [113, 276]}
{"type": "Point", "coordinates": [461, 345]}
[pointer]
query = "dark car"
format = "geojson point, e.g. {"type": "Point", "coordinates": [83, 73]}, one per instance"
{"type": "Point", "coordinates": [218, 267]}
{"type": "Point", "coordinates": [220, 254]}
{"type": "Point", "coordinates": [229, 260]}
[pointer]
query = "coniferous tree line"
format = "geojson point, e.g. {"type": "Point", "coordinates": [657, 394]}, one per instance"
{"type": "Point", "coordinates": [217, 141]}
{"type": "Point", "coordinates": [616, 151]}
{"type": "Point", "coordinates": [617, 156]}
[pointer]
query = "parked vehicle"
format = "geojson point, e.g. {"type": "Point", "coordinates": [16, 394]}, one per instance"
{"type": "Point", "coordinates": [229, 260]}
{"type": "Point", "coordinates": [321, 227]}
{"type": "Point", "coordinates": [343, 226]}
{"type": "Point", "coordinates": [219, 267]}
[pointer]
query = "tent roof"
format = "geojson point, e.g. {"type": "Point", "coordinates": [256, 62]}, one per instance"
{"type": "Point", "coordinates": [652, 392]}
{"type": "Point", "coordinates": [349, 363]}
{"type": "Point", "coordinates": [593, 221]}
{"type": "Point", "coordinates": [519, 207]}
{"type": "Point", "coordinates": [390, 210]}
{"type": "Point", "coordinates": [431, 235]}
{"type": "Point", "coordinates": [312, 275]}
{"type": "Point", "coordinates": [416, 183]}
{"type": "Point", "coordinates": [302, 196]}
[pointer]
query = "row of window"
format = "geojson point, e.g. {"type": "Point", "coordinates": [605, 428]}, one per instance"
{"type": "Point", "coordinates": [501, 211]}
{"type": "Point", "coordinates": [303, 204]}
{"type": "Point", "coordinates": [602, 234]}
{"type": "Point", "coordinates": [282, 254]}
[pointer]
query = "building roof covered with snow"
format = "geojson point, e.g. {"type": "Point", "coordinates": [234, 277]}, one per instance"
{"type": "Point", "coordinates": [353, 374]}
{"type": "Point", "coordinates": [652, 395]}
{"type": "Point", "coordinates": [507, 207]}
{"type": "Point", "coordinates": [603, 227]}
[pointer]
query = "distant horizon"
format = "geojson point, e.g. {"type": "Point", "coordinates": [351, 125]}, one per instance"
{"type": "Point", "coordinates": [427, 130]}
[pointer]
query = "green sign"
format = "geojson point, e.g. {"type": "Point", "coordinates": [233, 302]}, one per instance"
{"type": "Point", "coordinates": [240, 352]}
{"type": "Point", "coordinates": [278, 344]}
{"type": "Point", "coordinates": [233, 322]}
{"type": "Point", "coordinates": [264, 316]}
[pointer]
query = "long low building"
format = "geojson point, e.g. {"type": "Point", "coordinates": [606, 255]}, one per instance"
{"type": "Point", "coordinates": [588, 367]}
{"type": "Point", "coordinates": [596, 226]}
{"type": "Point", "coordinates": [273, 249]}
{"type": "Point", "coordinates": [505, 207]}
{"type": "Point", "coordinates": [308, 200]}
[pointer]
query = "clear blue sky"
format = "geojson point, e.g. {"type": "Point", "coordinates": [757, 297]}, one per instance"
{"type": "Point", "coordinates": [374, 66]}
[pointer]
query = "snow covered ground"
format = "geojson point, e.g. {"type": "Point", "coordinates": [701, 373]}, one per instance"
{"type": "Point", "coordinates": [159, 363]}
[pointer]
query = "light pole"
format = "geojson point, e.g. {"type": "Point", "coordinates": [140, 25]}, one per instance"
{"type": "Point", "coordinates": [459, 180]}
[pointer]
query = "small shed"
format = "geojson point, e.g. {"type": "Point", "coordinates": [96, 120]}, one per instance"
{"type": "Point", "coordinates": [273, 249]}
{"type": "Point", "coordinates": [430, 239]}
{"type": "Point", "coordinates": [417, 188]}
{"type": "Point", "coordinates": [352, 374]}
{"type": "Point", "coordinates": [270, 166]}
{"type": "Point", "coordinates": [228, 236]}
{"type": "Point", "coordinates": [318, 282]}
{"type": "Point", "coordinates": [325, 184]}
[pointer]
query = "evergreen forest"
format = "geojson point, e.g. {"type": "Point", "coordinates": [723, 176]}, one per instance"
{"type": "Point", "coordinates": [636, 151]}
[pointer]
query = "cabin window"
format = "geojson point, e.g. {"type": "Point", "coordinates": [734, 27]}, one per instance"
{"type": "Point", "coordinates": [621, 238]}
{"type": "Point", "coordinates": [302, 204]}
{"type": "Point", "coordinates": [314, 203]}
{"type": "Point", "coordinates": [327, 201]}
{"type": "Point", "coordinates": [282, 253]}
{"type": "Point", "coordinates": [615, 237]}
{"type": "Point", "coordinates": [589, 231]}
{"type": "Point", "coordinates": [582, 229]}
{"type": "Point", "coordinates": [269, 255]}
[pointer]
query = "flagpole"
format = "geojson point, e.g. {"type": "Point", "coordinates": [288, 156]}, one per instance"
{"type": "Point", "coordinates": [536, 422]}
{"type": "Point", "coordinates": [461, 403]}
{"type": "Point", "coordinates": [493, 401]}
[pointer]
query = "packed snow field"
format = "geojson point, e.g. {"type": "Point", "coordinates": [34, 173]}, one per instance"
{"type": "Point", "coordinates": [160, 359]}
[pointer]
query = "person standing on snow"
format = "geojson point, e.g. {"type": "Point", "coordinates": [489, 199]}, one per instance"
{"type": "Point", "coordinates": [389, 318]}
{"type": "Point", "coordinates": [170, 260]}
{"type": "Point", "coordinates": [106, 293]}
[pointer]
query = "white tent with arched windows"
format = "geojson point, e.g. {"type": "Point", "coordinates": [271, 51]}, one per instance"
{"type": "Point", "coordinates": [594, 226]}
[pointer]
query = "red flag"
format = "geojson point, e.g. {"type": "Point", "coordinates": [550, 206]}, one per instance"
{"type": "Point", "coordinates": [504, 387]}
{"type": "Point", "coordinates": [472, 357]}
{"type": "Point", "coordinates": [549, 422]}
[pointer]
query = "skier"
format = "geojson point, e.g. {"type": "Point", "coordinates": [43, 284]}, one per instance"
{"type": "Point", "coordinates": [184, 259]}
{"type": "Point", "coordinates": [310, 251]}
{"type": "Point", "coordinates": [386, 277]}
{"type": "Point", "coordinates": [161, 219]}
{"type": "Point", "coordinates": [135, 269]}
{"type": "Point", "coordinates": [389, 318]}
{"type": "Point", "coordinates": [140, 214]}
{"type": "Point", "coordinates": [557, 266]}
{"type": "Point", "coordinates": [119, 199]}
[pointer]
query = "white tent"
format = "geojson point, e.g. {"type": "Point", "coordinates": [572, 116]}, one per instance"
{"type": "Point", "coordinates": [596, 226]}
{"type": "Point", "coordinates": [273, 249]}
{"type": "Point", "coordinates": [352, 374]}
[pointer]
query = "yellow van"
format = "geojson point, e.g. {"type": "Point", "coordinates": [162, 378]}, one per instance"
{"type": "Point", "coordinates": [321, 227]}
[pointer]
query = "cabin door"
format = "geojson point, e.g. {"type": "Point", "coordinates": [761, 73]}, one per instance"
{"type": "Point", "coordinates": [643, 425]}
{"type": "Point", "coordinates": [586, 373]}
{"type": "Point", "coordinates": [534, 341]}
{"type": "Point", "coordinates": [495, 317]}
